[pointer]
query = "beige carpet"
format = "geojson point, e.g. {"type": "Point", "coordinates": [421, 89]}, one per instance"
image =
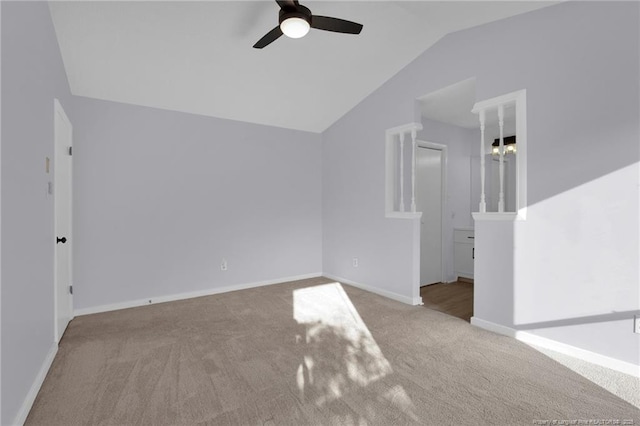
{"type": "Point", "coordinates": [301, 353]}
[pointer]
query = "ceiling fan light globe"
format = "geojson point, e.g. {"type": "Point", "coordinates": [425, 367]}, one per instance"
{"type": "Point", "coordinates": [295, 27]}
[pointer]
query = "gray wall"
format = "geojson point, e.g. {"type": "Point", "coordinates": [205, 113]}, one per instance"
{"type": "Point", "coordinates": [32, 76]}
{"type": "Point", "coordinates": [576, 266]}
{"type": "Point", "coordinates": [161, 197]}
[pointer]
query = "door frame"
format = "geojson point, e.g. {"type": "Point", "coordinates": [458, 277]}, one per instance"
{"type": "Point", "coordinates": [58, 111]}
{"type": "Point", "coordinates": [443, 200]}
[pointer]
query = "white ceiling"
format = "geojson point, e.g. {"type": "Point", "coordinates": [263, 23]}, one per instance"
{"type": "Point", "coordinates": [197, 57]}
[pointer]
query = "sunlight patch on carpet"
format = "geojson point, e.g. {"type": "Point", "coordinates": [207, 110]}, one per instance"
{"type": "Point", "coordinates": [339, 351]}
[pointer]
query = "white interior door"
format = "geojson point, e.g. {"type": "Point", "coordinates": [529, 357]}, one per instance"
{"type": "Point", "coordinates": [63, 310]}
{"type": "Point", "coordinates": [429, 202]}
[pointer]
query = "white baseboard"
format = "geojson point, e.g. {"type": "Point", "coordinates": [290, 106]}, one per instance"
{"type": "Point", "coordinates": [385, 293]}
{"type": "Point", "coordinates": [583, 354]}
{"type": "Point", "coordinates": [563, 348]}
{"type": "Point", "coordinates": [492, 326]}
{"type": "Point", "coordinates": [218, 290]}
{"type": "Point", "coordinates": [189, 295]}
{"type": "Point", "coordinates": [463, 275]}
{"type": "Point", "coordinates": [21, 417]}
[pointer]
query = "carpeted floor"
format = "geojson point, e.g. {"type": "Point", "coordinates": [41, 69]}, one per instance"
{"type": "Point", "coordinates": [306, 352]}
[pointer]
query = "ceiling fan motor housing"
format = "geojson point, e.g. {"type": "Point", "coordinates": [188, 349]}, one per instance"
{"type": "Point", "coordinates": [299, 12]}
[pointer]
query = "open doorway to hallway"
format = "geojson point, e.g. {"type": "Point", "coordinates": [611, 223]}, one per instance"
{"type": "Point", "coordinates": [455, 298]}
{"type": "Point", "coordinates": [450, 126]}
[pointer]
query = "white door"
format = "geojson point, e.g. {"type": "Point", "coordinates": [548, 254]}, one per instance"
{"type": "Point", "coordinates": [63, 309]}
{"type": "Point", "coordinates": [429, 202]}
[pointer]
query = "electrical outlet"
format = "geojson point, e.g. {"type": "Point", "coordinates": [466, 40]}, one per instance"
{"type": "Point", "coordinates": [636, 324]}
{"type": "Point", "coordinates": [354, 262]}
{"type": "Point", "coordinates": [223, 265]}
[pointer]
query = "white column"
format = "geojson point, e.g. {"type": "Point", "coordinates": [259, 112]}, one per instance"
{"type": "Point", "coordinates": [483, 202]}
{"type": "Point", "coordinates": [501, 148]}
{"type": "Point", "coordinates": [413, 171]}
{"type": "Point", "coordinates": [402, 171]}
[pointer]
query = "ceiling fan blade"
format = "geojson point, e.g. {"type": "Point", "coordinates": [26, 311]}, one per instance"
{"type": "Point", "coordinates": [287, 3]}
{"type": "Point", "coordinates": [336, 25]}
{"type": "Point", "coordinates": [268, 38]}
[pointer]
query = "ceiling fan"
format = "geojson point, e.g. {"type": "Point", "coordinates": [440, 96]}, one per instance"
{"type": "Point", "coordinates": [296, 20]}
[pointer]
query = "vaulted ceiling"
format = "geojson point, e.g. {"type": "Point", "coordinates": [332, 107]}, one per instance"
{"type": "Point", "coordinates": [197, 57]}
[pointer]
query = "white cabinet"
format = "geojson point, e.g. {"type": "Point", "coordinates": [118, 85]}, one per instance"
{"type": "Point", "coordinates": [463, 252]}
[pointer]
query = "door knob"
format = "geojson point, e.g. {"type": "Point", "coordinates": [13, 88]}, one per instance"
{"type": "Point", "coordinates": [61, 240]}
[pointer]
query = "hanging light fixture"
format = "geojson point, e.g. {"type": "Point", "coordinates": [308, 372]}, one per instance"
{"type": "Point", "coordinates": [509, 146]}
{"type": "Point", "coordinates": [295, 27]}
{"type": "Point", "coordinates": [295, 21]}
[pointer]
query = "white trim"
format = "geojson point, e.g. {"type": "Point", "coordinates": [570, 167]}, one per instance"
{"type": "Point", "coordinates": [402, 172]}
{"type": "Point", "coordinates": [492, 326]}
{"type": "Point", "coordinates": [519, 99]}
{"type": "Point", "coordinates": [463, 275]}
{"type": "Point", "coordinates": [189, 295]}
{"type": "Point", "coordinates": [209, 292]}
{"type": "Point", "coordinates": [0, 234]}
{"type": "Point", "coordinates": [509, 98]}
{"type": "Point", "coordinates": [23, 412]}
{"type": "Point", "coordinates": [390, 165]}
{"type": "Point", "coordinates": [385, 293]}
{"type": "Point", "coordinates": [563, 348]}
{"type": "Point", "coordinates": [583, 354]}
{"type": "Point", "coordinates": [401, 215]}
{"type": "Point", "coordinates": [405, 128]}
{"type": "Point", "coordinates": [494, 216]}
{"type": "Point", "coordinates": [464, 228]}
{"type": "Point", "coordinates": [521, 156]}
{"type": "Point", "coordinates": [59, 110]}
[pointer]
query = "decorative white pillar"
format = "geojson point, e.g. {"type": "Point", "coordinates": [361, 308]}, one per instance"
{"type": "Point", "coordinates": [402, 171]}
{"type": "Point", "coordinates": [483, 202]}
{"type": "Point", "coordinates": [413, 171]}
{"type": "Point", "coordinates": [501, 149]}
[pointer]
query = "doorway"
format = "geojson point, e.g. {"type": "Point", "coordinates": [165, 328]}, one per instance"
{"type": "Point", "coordinates": [447, 118]}
{"type": "Point", "coordinates": [430, 200]}
{"type": "Point", "coordinates": [62, 193]}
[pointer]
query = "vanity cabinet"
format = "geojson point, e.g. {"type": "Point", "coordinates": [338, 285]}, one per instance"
{"type": "Point", "coordinates": [463, 252]}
